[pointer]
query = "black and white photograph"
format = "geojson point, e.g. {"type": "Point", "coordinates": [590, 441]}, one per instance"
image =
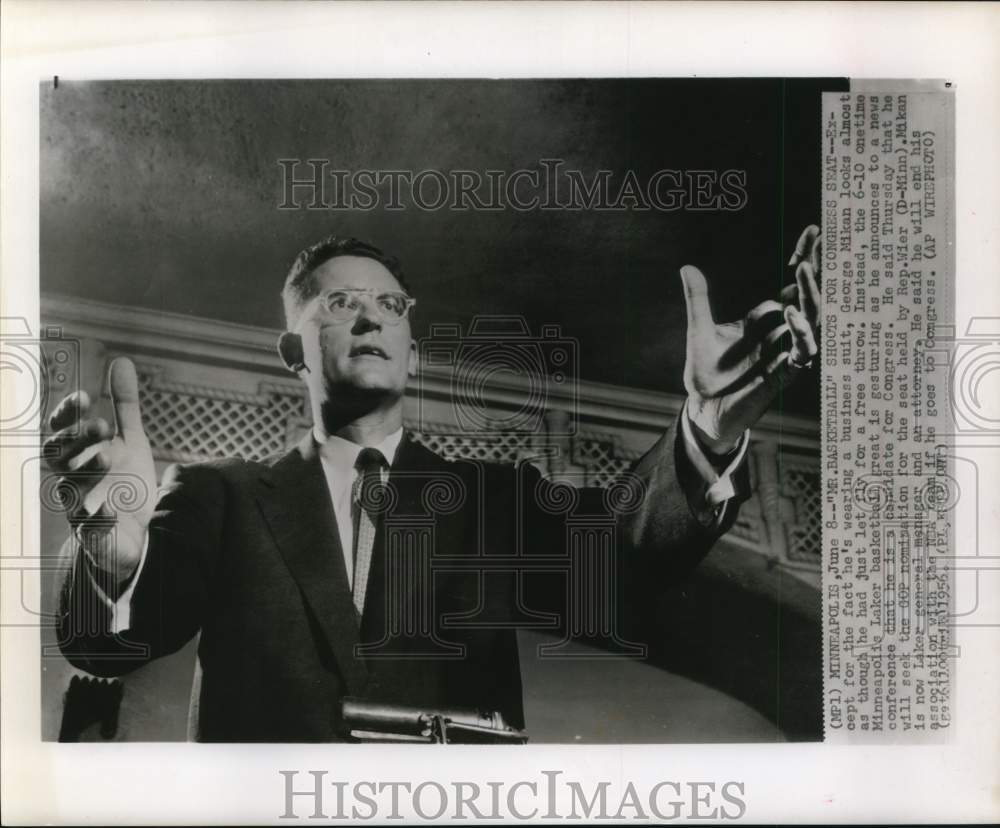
{"type": "Point", "coordinates": [484, 411]}
{"type": "Point", "coordinates": [433, 410]}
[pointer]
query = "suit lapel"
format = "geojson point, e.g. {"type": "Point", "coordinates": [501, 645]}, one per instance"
{"type": "Point", "coordinates": [295, 501]}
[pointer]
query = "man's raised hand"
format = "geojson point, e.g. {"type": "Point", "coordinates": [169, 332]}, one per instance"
{"type": "Point", "coordinates": [108, 482]}
{"type": "Point", "coordinates": [733, 370]}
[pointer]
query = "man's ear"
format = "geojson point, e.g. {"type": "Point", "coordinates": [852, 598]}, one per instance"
{"type": "Point", "coordinates": [411, 368]}
{"type": "Point", "coordinates": [290, 351]}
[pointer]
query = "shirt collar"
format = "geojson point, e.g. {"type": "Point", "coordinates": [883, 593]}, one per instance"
{"type": "Point", "coordinates": [343, 454]}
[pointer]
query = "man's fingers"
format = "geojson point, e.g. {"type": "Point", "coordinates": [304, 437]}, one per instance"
{"type": "Point", "coordinates": [63, 448]}
{"type": "Point", "coordinates": [809, 298]}
{"type": "Point", "coordinates": [803, 341]}
{"type": "Point", "coordinates": [74, 486]}
{"type": "Point", "coordinates": [804, 246]}
{"type": "Point", "coordinates": [754, 397]}
{"type": "Point", "coordinates": [816, 257]}
{"type": "Point", "coordinates": [124, 386]}
{"type": "Point", "coordinates": [779, 374]}
{"type": "Point", "coordinates": [69, 411]}
{"type": "Point", "coordinates": [699, 311]}
{"type": "Point", "coordinates": [776, 339]}
{"type": "Point", "coordinates": [766, 310]}
{"type": "Point", "coordinates": [763, 319]}
{"type": "Point", "coordinates": [804, 292]}
{"type": "Point", "coordinates": [779, 370]}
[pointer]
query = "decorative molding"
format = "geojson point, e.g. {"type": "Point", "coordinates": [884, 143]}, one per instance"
{"type": "Point", "coordinates": [139, 331]}
{"type": "Point", "coordinates": [211, 389]}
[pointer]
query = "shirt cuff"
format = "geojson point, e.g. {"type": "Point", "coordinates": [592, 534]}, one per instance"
{"type": "Point", "coordinates": [120, 608]}
{"type": "Point", "coordinates": [719, 487]}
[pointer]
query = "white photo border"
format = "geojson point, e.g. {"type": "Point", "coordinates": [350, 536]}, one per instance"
{"type": "Point", "coordinates": [204, 784]}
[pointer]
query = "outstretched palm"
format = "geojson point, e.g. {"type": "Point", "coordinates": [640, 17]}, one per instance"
{"type": "Point", "coordinates": [733, 370]}
{"type": "Point", "coordinates": [109, 479]}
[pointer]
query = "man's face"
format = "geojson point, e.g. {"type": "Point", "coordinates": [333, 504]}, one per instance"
{"type": "Point", "coordinates": [366, 354]}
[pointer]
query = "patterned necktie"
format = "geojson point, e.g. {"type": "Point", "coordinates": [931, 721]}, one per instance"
{"type": "Point", "coordinates": [366, 498]}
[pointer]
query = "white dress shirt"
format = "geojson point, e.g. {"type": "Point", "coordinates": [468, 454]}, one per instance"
{"type": "Point", "coordinates": [338, 457]}
{"type": "Point", "coordinates": [719, 487]}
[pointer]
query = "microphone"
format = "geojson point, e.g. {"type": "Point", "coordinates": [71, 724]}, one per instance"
{"type": "Point", "coordinates": [371, 721]}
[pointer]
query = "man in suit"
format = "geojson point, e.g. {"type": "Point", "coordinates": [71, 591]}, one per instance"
{"type": "Point", "coordinates": [362, 564]}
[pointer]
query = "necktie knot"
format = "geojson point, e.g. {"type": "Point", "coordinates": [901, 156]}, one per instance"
{"type": "Point", "coordinates": [369, 458]}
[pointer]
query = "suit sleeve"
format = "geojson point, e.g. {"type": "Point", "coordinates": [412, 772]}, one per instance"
{"type": "Point", "coordinates": [662, 521]}
{"type": "Point", "coordinates": [650, 521]}
{"type": "Point", "coordinates": [170, 594]}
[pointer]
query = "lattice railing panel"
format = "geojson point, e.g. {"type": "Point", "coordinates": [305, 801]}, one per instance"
{"type": "Point", "coordinates": [602, 462]}
{"type": "Point", "coordinates": [191, 423]}
{"type": "Point", "coordinates": [802, 487]}
{"type": "Point", "coordinates": [506, 448]}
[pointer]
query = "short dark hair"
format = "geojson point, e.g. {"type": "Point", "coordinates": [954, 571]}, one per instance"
{"type": "Point", "coordinates": [300, 286]}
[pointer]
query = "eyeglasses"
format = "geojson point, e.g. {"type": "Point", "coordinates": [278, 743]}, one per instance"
{"type": "Point", "coordinates": [344, 304]}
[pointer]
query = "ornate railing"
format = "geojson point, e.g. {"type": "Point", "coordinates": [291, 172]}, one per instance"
{"type": "Point", "coordinates": [212, 389]}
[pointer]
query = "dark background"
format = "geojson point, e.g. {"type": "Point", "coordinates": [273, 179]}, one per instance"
{"type": "Point", "coordinates": [164, 194]}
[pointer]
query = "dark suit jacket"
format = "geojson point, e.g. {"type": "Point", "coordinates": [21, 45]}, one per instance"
{"type": "Point", "coordinates": [248, 554]}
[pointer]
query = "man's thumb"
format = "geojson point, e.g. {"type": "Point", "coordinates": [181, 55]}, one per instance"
{"type": "Point", "coordinates": [696, 295]}
{"type": "Point", "coordinates": [124, 386]}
